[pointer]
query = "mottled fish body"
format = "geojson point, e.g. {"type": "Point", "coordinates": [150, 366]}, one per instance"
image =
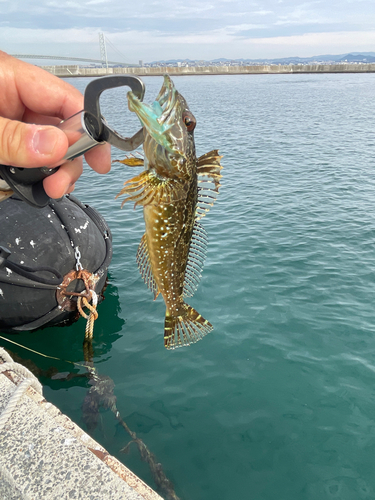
{"type": "Point", "coordinates": [172, 250]}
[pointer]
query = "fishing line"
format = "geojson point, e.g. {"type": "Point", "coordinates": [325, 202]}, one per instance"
{"type": "Point", "coordinates": [161, 481]}
{"type": "Point", "coordinates": [41, 354]}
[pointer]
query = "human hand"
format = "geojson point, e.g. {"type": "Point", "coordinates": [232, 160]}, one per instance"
{"type": "Point", "coordinates": [31, 100]}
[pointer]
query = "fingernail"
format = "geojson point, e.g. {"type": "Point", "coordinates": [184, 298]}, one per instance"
{"type": "Point", "coordinates": [44, 141]}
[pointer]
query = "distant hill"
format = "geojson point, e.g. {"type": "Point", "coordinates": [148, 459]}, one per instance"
{"type": "Point", "coordinates": [352, 57]}
{"type": "Point", "coordinates": [358, 58]}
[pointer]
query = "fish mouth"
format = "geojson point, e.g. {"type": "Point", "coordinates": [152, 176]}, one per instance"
{"type": "Point", "coordinates": [162, 120]}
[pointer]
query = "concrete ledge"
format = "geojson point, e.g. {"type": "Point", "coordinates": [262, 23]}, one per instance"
{"type": "Point", "coordinates": [75, 70]}
{"type": "Point", "coordinates": [49, 457]}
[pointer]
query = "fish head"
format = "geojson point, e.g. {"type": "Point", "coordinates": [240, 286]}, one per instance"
{"type": "Point", "coordinates": [168, 128]}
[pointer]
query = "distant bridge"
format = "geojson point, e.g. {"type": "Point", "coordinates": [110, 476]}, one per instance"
{"type": "Point", "coordinates": [103, 53]}
{"type": "Point", "coordinates": [63, 58]}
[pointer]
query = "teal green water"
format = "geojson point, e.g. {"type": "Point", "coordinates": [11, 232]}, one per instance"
{"type": "Point", "coordinates": [279, 401]}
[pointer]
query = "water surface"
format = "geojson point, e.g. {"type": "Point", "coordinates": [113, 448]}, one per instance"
{"type": "Point", "coordinates": [278, 401]}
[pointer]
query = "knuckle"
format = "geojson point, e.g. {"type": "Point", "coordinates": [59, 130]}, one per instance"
{"type": "Point", "coordinates": [11, 143]}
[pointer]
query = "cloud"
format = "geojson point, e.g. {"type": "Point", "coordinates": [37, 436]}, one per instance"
{"type": "Point", "coordinates": [46, 36]}
{"type": "Point", "coordinates": [198, 29]}
{"type": "Point", "coordinates": [225, 43]}
{"type": "Point", "coordinates": [154, 45]}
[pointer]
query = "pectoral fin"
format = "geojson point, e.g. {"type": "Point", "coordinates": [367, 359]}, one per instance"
{"type": "Point", "coordinates": [132, 161]}
{"type": "Point", "coordinates": [147, 188]}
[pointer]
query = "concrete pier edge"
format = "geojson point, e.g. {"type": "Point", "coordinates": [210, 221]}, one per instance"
{"type": "Point", "coordinates": [79, 71]}
{"type": "Point", "coordinates": [50, 457]}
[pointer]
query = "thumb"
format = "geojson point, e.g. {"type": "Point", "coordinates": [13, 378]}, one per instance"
{"type": "Point", "coordinates": [27, 145]}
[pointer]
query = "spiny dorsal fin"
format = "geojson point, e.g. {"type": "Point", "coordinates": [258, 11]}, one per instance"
{"type": "Point", "coordinates": [211, 158]}
{"type": "Point", "coordinates": [208, 171]}
{"type": "Point", "coordinates": [144, 266]}
{"type": "Point", "coordinates": [148, 188]}
{"type": "Point", "coordinates": [195, 261]}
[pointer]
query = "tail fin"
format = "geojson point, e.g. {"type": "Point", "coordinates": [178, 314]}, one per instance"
{"type": "Point", "coordinates": [186, 329]}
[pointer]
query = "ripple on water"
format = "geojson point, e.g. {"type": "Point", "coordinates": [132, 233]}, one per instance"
{"type": "Point", "coordinates": [278, 401]}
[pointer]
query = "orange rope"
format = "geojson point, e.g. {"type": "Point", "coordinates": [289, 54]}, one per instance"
{"type": "Point", "coordinates": [89, 333]}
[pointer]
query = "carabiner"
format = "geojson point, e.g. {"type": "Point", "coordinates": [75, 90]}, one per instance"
{"type": "Point", "coordinates": [85, 130]}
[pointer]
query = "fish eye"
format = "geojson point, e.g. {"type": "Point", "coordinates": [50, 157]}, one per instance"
{"type": "Point", "coordinates": [189, 121]}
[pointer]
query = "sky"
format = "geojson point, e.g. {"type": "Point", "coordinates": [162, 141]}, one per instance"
{"type": "Point", "coordinates": [151, 30]}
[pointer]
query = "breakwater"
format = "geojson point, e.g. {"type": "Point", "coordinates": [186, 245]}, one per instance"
{"type": "Point", "coordinates": [75, 71]}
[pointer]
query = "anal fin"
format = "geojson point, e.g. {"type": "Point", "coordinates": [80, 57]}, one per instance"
{"type": "Point", "coordinates": [144, 266]}
{"type": "Point", "coordinates": [195, 260]}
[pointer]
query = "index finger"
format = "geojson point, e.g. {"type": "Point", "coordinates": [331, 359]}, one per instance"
{"type": "Point", "coordinates": [44, 93]}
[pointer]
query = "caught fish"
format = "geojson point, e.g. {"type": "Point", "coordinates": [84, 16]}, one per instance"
{"type": "Point", "coordinates": [176, 190]}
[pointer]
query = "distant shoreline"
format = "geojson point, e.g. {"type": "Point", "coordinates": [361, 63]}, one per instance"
{"type": "Point", "coordinates": [266, 69]}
